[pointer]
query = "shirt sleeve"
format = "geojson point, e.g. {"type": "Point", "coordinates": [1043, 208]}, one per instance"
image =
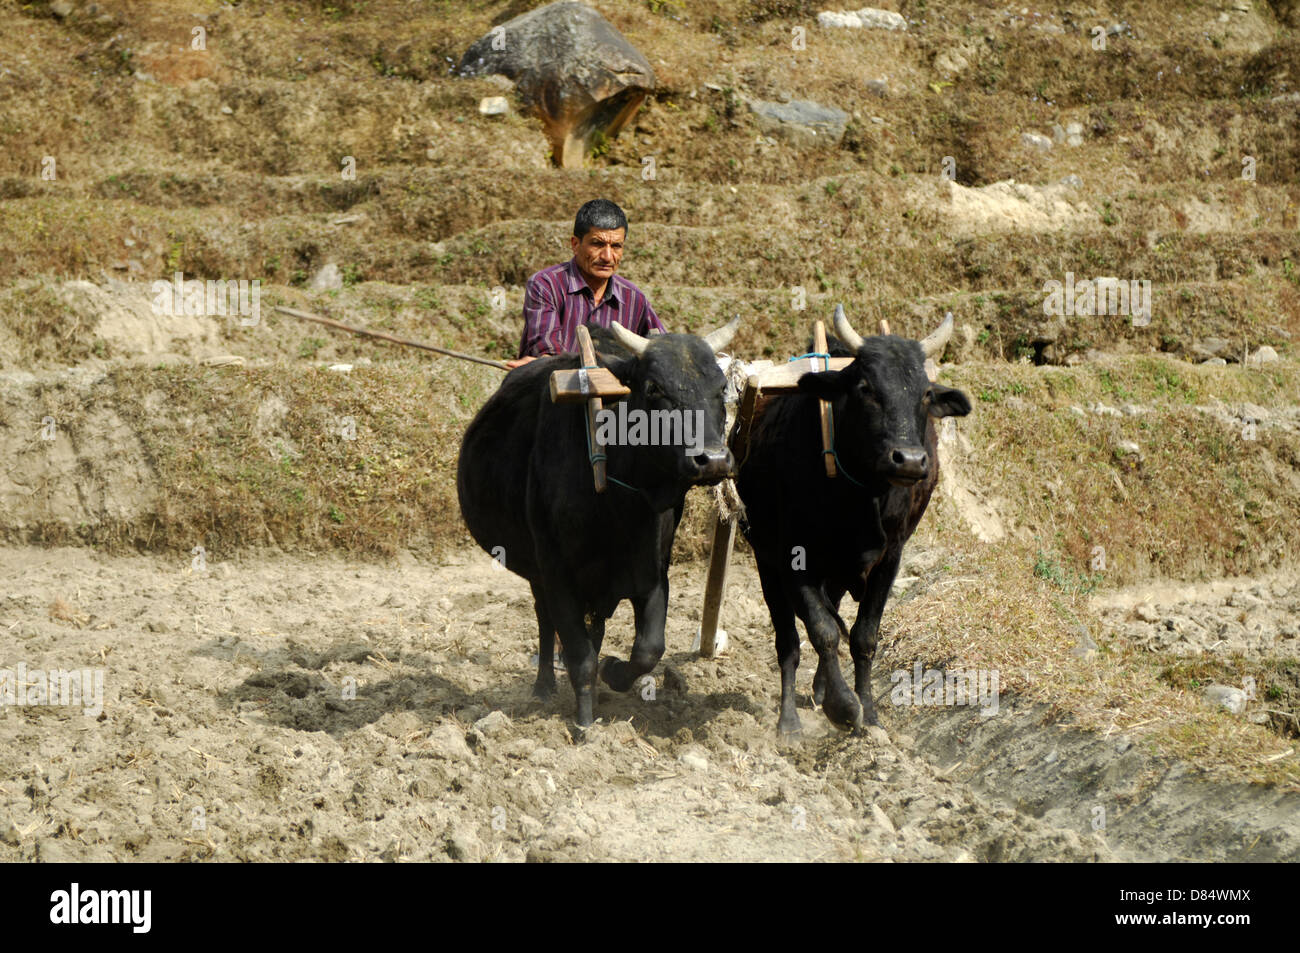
{"type": "Point", "coordinates": [650, 323]}
{"type": "Point", "coordinates": [541, 320]}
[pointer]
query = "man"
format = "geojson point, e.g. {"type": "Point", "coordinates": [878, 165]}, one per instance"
{"type": "Point", "coordinates": [583, 290]}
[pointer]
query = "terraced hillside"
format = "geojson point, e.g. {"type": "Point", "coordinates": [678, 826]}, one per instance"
{"type": "Point", "coordinates": [988, 151]}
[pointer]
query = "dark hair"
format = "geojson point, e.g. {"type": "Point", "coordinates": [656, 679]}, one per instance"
{"type": "Point", "coordinates": [599, 213]}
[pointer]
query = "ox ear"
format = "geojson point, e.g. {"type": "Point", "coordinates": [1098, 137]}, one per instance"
{"type": "Point", "coordinates": [824, 384]}
{"type": "Point", "coordinates": [948, 402]}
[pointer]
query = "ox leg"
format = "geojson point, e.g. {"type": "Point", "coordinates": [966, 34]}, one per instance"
{"type": "Point", "coordinates": [544, 687]}
{"type": "Point", "coordinates": [866, 630]}
{"type": "Point", "coordinates": [787, 650]}
{"type": "Point", "coordinates": [819, 679]}
{"type": "Point", "coordinates": [651, 613]}
{"type": "Point", "coordinates": [840, 705]}
{"type": "Point", "coordinates": [579, 655]}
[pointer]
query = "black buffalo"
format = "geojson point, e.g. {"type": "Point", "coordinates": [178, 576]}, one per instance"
{"type": "Point", "coordinates": [816, 538]}
{"type": "Point", "coordinates": [527, 494]}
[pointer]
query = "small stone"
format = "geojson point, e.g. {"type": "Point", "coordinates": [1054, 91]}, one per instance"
{"type": "Point", "coordinates": [227, 111]}
{"type": "Point", "coordinates": [1085, 648]}
{"type": "Point", "coordinates": [1215, 362]}
{"type": "Point", "coordinates": [493, 106]}
{"type": "Point", "coordinates": [1035, 141]}
{"type": "Point", "coordinates": [878, 87]}
{"type": "Point", "coordinates": [463, 844]}
{"type": "Point", "coordinates": [694, 760]}
{"type": "Point", "coordinates": [1058, 134]}
{"type": "Point", "coordinates": [877, 735]}
{"type": "Point", "coordinates": [340, 368]}
{"type": "Point", "coordinates": [1072, 181]}
{"type": "Point", "coordinates": [493, 723]}
{"type": "Point", "coordinates": [1128, 448]}
{"type": "Point", "coordinates": [329, 278]}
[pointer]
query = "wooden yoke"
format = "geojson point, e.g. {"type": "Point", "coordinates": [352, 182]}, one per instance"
{"type": "Point", "coordinates": [588, 383]}
{"type": "Point", "coordinates": [823, 406]}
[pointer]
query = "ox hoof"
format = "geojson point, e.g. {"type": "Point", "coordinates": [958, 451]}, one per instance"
{"type": "Point", "coordinates": [789, 736]}
{"type": "Point", "coordinates": [544, 688]}
{"type": "Point", "coordinates": [844, 711]}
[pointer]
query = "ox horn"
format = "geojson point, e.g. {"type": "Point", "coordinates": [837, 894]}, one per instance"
{"type": "Point", "coordinates": [629, 339]}
{"type": "Point", "coordinates": [934, 344]}
{"type": "Point", "coordinates": [722, 336]}
{"type": "Point", "coordinates": [846, 334]}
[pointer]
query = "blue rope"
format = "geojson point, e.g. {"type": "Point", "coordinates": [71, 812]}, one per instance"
{"type": "Point", "coordinates": [827, 357]}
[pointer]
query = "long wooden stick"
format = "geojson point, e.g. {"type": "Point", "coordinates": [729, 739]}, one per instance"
{"type": "Point", "coordinates": [308, 316]}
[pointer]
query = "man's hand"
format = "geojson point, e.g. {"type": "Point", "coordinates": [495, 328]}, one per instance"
{"type": "Point", "coordinates": [520, 362]}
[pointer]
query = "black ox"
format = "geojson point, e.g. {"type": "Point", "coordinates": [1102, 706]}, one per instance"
{"type": "Point", "coordinates": [525, 485]}
{"type": "Point", "coordinates": [816, 538]}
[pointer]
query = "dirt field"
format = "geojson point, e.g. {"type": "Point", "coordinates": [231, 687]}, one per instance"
{"type": "Point", "coordinates": [227, 735]}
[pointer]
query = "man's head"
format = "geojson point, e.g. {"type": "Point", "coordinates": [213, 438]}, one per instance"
{"type": "Point", "coordinates": [598, 233]}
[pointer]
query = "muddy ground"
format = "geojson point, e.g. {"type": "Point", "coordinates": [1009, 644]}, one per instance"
{"type": "Point", "coordinates": [227, 733]}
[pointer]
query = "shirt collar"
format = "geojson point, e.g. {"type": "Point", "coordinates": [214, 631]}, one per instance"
{"type": "Point", "coordinates": [575, 283]}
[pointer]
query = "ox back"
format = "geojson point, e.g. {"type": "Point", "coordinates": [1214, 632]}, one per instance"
{"type": "Point", "coordinates": [815, 537]}
{"type": "Point", "coordinates": [527, 495]}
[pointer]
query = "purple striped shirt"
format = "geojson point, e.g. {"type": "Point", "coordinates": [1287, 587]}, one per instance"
{"type": "Point", "coordinates": [557, 300]}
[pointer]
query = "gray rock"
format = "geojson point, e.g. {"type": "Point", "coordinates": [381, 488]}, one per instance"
{"type": "Point", "coordinates": [868, 18]}
{"type": "Point", "coordinates": [1265, 355]}
{"type": "Point", "coordinates": [1233, 699]}
{"type": "Point", "coordinates": [1216, 362]}
{"type": "Point", "coordinates": [572, 69]}
{"type": "Point", "coordinates": [1058, 134]}
{"type": "Point", "coordinates": [802, 122]}
{"type": "Point", "coordinates": [493, 106]}
{"type": "Point", "coordinates": [878, 87]}
{"type": "Point", "coordinates": [1034, 141]}
{"type": "Point", "coordinates": [1085, 648]}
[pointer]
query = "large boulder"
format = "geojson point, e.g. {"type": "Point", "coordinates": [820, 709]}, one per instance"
{"type": "Point", "coordinates": [577, 73]}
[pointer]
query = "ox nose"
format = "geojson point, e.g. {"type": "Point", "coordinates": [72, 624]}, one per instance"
{"type": "Point", "coordinates": [908, 464]}
{"type": "Point", "coordinates": [712, 466]}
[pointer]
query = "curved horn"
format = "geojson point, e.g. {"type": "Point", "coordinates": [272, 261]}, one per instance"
{"type": "Point", "coordinates": [850, 337]}
{"type": "Point", "coordinates": [934, 344]}
{"type": "Point", "coordinates": [722, 336]}
{"type": "Point", "coordinates": [629, 339]}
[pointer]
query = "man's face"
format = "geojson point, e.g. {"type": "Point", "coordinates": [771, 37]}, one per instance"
{"type": "Point", "coordinates": [598, 252]}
